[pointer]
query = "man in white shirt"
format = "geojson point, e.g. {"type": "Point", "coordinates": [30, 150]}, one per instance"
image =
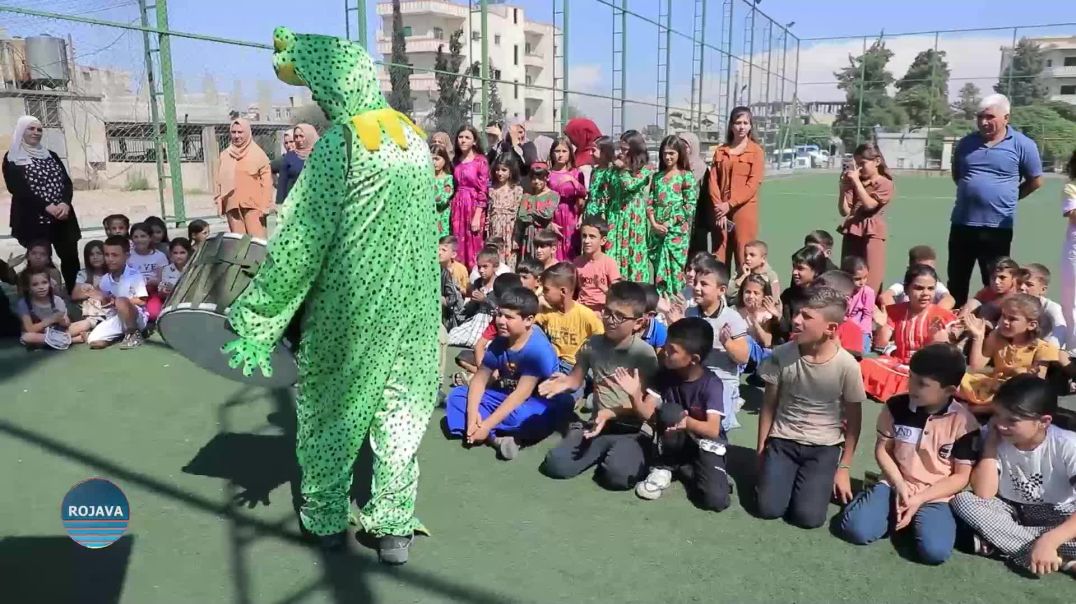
{"type": "Point", "coordinates": [125, 293]}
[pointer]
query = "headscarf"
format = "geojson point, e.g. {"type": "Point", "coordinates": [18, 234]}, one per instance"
{"type": "Point", "coordinates": [516, 121]}
{"type": "Point", "coordinates": [543, 144]}
{"type": "Point", "coordinates": [234, 156]}
{"type": "Point", "coordinates": [22, 154]}
{"type": "Point", "coordinates": [311, 136]}
{"type": "Point", "coordinates": [443, 139]}
{"type": "Point", "coordinates": [582, 132]}
{"type": "Point", "coordinates": [698, 164]}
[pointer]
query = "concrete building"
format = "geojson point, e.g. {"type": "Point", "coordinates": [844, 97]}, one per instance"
{"type": "Point", "coordinates": [1059, 70]}
{"type": "Point", "coordinates": [905, 150]}
{"type": "Point", "coordinates": [520, 54]}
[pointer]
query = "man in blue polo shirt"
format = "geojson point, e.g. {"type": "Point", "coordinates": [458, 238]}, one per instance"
{"type": "Point", "coordinates": [992, 169]}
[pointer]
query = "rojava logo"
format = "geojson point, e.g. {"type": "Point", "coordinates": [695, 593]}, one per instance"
{"type": "Point", "coordinates": [95, 513]}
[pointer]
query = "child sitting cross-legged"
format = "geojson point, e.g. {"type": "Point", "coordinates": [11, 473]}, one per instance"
{"type": "Point", "coordinates": [125, 298]}
{"type": "Point", "coordinates": [505, 411]}
{"type": "Point", "coordinates": [685, 405]}
{"type": "Point", "coordinates": [41, 310]}
{"type": "Point", "coordinates": [612, 438]}
{"type": "Point", "coordinates": [1022, 503]}
{"type": "Point", "coordinates": [927, 444]}
{"type": "Point", "coordinates": [810, 417]}
{"type": "Point", "coordinates": [1012, 348]}
{"type": "Point", "coordinates": [469, 360]}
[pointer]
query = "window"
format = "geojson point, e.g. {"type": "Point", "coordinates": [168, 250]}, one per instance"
{"type": "Point", "coordinates": [1070, 61]}
{"type": "Point", "coordinates": [407, 31]}
{"type": "Point", "coordinates": [438, 33]}
{"type": "Point", "coordinates": [476, 35]}
{"type": "Point", "coordinates": [515, 89]}
{"type": "Point", "coordinates": [515, 15]}
{"type": "Point", "coordinates": [134, 144]}
{"type": "Point", "coordinates": [526, 113]}
{"type": "Point", "coordinates": [527, 48]}
{"type": "Point", "coordinates": [1049, 62]}
{"type": "Point", "coordinates": [1069, 90]}
{"type": "Point", "coordinates": [476, 108]}
{"type": "Point", "coordinates": [515, 54]}
{"type": "Point", "coordinates": [46, 109]}
{"type": "Point", "coordinates": [496, 74]}
{"type": "Point", "coordinates": [497, 39]}
{"type": "Point", "coordinates": [530, 80]}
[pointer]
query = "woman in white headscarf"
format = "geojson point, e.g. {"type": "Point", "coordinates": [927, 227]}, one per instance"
{"type": "Point", "coordinates": [515, 141]}
{"type": "Point", "coordinates": [41, 193]}
{"type": "Point", "coordinates": [244, 188]}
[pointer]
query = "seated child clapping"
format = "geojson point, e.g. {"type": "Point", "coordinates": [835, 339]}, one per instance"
{"type": "Point", "coordinates": [686, 405]}
{"type": "Point", "coordinates": [503, 412]}
{"type": "Point", "coordinates": [1023, 496]}
{"type": "Point", "coordinates": [612, 438]}
{"type": "Point", "coordinates": [927, 444]}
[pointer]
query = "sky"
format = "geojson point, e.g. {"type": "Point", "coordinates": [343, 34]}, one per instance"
{"type": "Point", "coordinates": [973, 56]}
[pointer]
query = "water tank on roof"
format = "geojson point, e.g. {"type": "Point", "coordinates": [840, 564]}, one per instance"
{"type": "Point", "coordinates": [46, 57]}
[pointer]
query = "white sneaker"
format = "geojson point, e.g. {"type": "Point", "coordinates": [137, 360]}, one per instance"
{"type": "Point", "coordinates": [655, 484]}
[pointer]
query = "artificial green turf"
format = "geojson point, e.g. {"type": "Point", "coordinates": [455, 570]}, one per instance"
{"type": "Point", "coordinates": [184, 444]}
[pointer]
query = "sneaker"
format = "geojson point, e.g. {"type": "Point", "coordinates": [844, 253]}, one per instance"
{"type": "Point", "coordinates": [655, 484]}
{"type": "Point", "coordinates": [983, 547]}
{"type": "Point", "coordinates": [132, 340]}
{"type": "Point", "coordinates": [1069, 566]}
{"type": "Point", "coordinates": [507, 447]}
{"type": "Point", "coordinates": [393, 549]}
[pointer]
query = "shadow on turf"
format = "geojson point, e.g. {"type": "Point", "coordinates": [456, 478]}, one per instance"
{"type": "Point", "coordinates": [56, 569]}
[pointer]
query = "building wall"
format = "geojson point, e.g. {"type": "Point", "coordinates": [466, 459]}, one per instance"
{"type": "Point", "coordinates": [509, 34]}
{"type": "Point", "coordinates": [1055, 74]}
{"type": "Point", "coordinates": [903, 150]}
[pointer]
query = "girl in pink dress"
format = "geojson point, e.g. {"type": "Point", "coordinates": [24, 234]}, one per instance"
{"type": "Point", "coordinates": [472, 189]}
{"type": "Point", "coordinates": [567, 182]}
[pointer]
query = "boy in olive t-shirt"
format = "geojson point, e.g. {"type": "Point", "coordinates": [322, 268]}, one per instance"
{"type": "Point", "coordinates": [612, 438]}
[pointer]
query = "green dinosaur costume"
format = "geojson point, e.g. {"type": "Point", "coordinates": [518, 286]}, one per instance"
{"type": "Point", "coordinates": [357, 242]}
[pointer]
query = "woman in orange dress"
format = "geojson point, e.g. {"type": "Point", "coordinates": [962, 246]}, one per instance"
{"type": "Point", "coordinates": [909, 326]}
{"type": "Point", "coordinates": [735, 177]}
{"type": "Point", "coordinates": [244, 187]}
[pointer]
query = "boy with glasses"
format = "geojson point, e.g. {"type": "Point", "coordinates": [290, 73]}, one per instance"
{"type": "Point", "coordinates": [613, 437]}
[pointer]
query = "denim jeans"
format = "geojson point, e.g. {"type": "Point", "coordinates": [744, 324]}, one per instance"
{"type": "Point", "coordinates": [870, 516]}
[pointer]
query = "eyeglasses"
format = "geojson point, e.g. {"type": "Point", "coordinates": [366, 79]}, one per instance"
{"type": "Point", "coordinates": [614, 318]}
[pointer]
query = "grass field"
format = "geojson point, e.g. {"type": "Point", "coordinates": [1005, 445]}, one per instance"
{"type": "Point", "coordinates": [209, 469]}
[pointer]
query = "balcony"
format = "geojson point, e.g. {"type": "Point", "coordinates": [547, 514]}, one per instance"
{"type": "Point", "coordinates": [534, 59]}
{"type": "Point", "coordinates": [424, 7]}
{"type": "Point", "coordinates": [414, 43]}
{"type": "Point", "coordinates": [1059, 71]}
{"type": "Point", "coordinates": [420, 82]}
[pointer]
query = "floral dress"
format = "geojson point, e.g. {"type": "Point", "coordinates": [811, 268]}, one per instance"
{"type": "Point", "coordinates": [444, 186]}
{"type": "Point", "coordinates": [569, 185]}
{"type": "Point", "coordinates": [628, 226]}
{"type": "Point", "coordinates": [535, 213]}
{"type": "Point", "coordinates": [674, 199]}
{"type": "Point", "coordinates": [600, 191]}
{"type": "Point", "coordinates": [503, 207]}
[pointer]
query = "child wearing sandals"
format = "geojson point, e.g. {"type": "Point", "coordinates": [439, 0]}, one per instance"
{"type": "Point", "coordinates": [927, 444]}
{"type": "Point", "coordinates": [1022, 503]}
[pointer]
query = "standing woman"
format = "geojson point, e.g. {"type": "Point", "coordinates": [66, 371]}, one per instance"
{"type": "Point", "coordinates": [866, 188]}
{"type": "Point", "coordinates": [443, 139]}
{"type": "Point", "coordinates": [244, 183]}
{"type": "Point", "coordinates": [671, 216]}
{"type": "Point", "coordinates": [704, 220]}
{"type": "Point", "coordinates": [583, 133]}
{"type": "Point", "coordinates": [627, 209]}
{"type": "Point", "coordinates": [567, 182]}
{"type": "Point", "coordinates": [41, 193]}
{"type": "Point", "coordinates": [515, 141]}
{"type": "Point", "coordinates": [735, 177]}
{"type": "Point", "coordinates": [304, 136]}
{"type": "Point", "coordinates": [471, 172]}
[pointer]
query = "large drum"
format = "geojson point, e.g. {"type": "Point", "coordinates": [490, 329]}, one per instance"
{"type": "Point", "coordinates": [194, 318]}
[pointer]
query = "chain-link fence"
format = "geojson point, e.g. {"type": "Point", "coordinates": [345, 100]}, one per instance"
{"type": "Point", "coordinates": [139, 110]}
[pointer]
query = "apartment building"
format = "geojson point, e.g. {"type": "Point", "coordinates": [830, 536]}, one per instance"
{"type": "Point", "coordinates": [1059, 70]}
{"type": "Point", "coordinates": [520, 53]}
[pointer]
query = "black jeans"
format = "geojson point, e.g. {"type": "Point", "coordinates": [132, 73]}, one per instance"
{"type": "Point", "coordinates": [702, 471]}
{"type": "Point", "coordinates": [621, 451]}
{"type": "Point", "coordinates": [797, 481]}
{"type": "Point", "coordinates": [971, 244]}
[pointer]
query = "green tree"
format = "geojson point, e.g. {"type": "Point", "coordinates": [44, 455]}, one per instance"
{"type": "Point", "coordinates": [399, 72]}
{"type": "Point", "coordinates": [1048, 128]}
{"type": "Point", "coordinates": [454, 91]}
{"type": "Point", "coordinates": [867, 102]}
{"type": "Point", "coordinates": [923, 92]}
{"type": "Point", "coordinates": [1021, 80]}
{"type": "Point", "coordinates": [967, 104]}
{"type": "Point", "coordinates": [496, 107]}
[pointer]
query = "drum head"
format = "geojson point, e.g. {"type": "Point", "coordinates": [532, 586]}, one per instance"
{"type": "Point", "coordinates": [199, 336]}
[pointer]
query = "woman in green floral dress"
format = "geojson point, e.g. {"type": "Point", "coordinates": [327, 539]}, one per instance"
{"type": "Point", "coordinates": [602, 184]}
{"type": "Point", "coordinates": [671, 216]}
{"type": "Point", "coordinates": [444, 186]}
{"type": "Point", "coordinates": [627, 209]}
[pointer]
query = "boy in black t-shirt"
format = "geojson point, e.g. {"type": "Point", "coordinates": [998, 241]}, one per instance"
{"type": "Point", "coordinates": [686, 406]}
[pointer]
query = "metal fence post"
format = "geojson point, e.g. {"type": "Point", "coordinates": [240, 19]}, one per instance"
{"type": "Point", "coordinates": [930, 107]}
{"type": "Point", "coordinates": [168, 99]}
{"type": "Point", "coordinates": [151, 84]}
{"type": "Point", "coordinates": [360, 14]}
{"type": "Point", "coordinates": [1008, 71]}
{"type": "Point", "coordinates": [484, 7]}
{"type": "Point", "coordinates": [564, 66]}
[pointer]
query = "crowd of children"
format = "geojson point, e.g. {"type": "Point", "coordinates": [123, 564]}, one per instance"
{"type": "Point", "coordinates": [119, 292]}
{"type": "Point", "coordinates": [640, 369]}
